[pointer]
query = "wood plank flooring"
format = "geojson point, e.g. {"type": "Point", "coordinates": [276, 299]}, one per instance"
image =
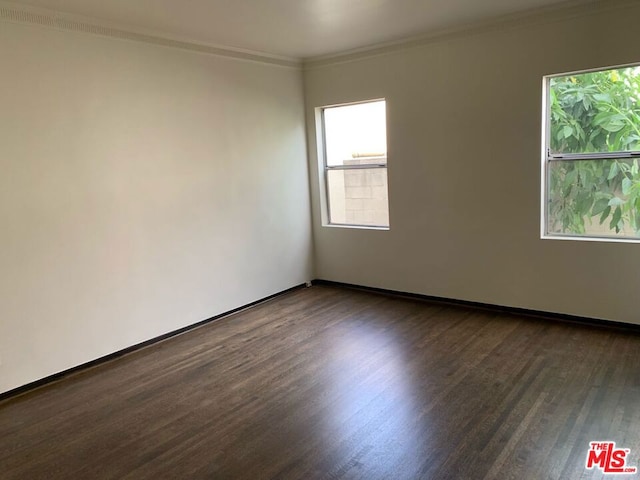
{"type": "Point", "coordinates": [332, 383]}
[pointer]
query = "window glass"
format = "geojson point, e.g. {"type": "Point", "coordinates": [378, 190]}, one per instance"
{"type": "Point", "coordinates": [592, 180]}
{"type": "Point", "coordinates": [359, 197]}
{"type": "Point", "coordinates": [596, 111]}
{"type": "Point", "coordinates": [355, 164]}
{"type": "Point", "coordinates": [355, 134]}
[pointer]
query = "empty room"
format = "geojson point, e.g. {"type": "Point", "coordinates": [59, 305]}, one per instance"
{"type": "Point", "coordinates": [313, 239]}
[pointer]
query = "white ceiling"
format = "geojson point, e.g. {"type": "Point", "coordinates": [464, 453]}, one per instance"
{"type": "Point", "coordinates": [292, 28]}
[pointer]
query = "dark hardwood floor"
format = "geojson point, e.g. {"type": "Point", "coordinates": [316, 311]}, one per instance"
{"type": "Point", "coordinates": [332, 383]}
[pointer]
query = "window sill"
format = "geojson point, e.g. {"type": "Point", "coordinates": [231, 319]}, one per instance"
{"type": "Point", "coordinates": [356, 227]}
{"type": "Point", "coordinates": [590, 238]}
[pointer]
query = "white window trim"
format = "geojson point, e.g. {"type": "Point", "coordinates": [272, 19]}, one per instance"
{"type": "Point", "coordinates": [325, 169]}
{"type": "Point", "coordinates": [547, 157]}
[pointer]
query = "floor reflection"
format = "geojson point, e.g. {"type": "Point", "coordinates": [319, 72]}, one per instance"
{"type": "Point", "coordinates": [376, 422]}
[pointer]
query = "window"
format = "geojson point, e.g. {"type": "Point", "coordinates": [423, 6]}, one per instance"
{"type": "Point", "coordinates": [355, 164]}
{"type": "Point", "coordinates": [591, 152]}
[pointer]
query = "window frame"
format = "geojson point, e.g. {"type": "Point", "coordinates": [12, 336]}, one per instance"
{"type": "Point", "coordinates": [548, 157]}
{"type": "Point", "coordinates": [326, 168]}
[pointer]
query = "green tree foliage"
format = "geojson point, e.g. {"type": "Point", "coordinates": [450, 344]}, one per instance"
{"type": "Point", "coordinates": [595, 113]}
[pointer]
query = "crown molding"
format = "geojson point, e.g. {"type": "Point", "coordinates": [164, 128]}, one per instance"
{"type": "Point", "coordinates": [22, 14]}
{"type": "Point", "coordinates": [27, 15]}
{"type": "Point", "coordinates": [559, 12]}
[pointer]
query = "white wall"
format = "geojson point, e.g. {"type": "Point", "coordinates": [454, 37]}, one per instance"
{"type": "Point", "coordinates": [142, 189]}
{"type": "Point", "coordinates": [464, 129]}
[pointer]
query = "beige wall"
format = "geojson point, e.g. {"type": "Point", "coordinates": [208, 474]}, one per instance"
{"type": "Point", "coordinates": [142, 189]}
{"type": "Point", "coordinates": [463, 119]}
